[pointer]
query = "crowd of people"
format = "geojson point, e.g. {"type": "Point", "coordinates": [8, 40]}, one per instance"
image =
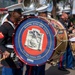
{"type": "Point", "coordinates": [68, 56]}
{"type": "Point", "coordinates": [6, 32]}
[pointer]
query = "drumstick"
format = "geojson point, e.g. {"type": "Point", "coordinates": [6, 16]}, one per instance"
{"type": "Point", "coordinates": [2, 59]}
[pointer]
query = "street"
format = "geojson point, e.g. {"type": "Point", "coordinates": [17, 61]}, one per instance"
{"type": "Point", "coordinates": [53, 70]}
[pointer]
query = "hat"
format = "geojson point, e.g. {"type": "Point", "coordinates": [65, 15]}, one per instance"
{"type": "Point", "coordinates": [42, 9]}
{"type": "Point", "coordinates": [14, 7]}
{"type": "Point", "coordinates": [18, 10]}
{"type": "Point", "coordinates": [50, 7]}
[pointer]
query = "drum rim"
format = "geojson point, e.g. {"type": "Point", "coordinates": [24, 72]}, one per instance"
{"type": "Point", "coordinates": [20, 57]}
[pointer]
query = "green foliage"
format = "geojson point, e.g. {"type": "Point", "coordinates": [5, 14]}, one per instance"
{"type": "Point", "coordinates": [5, 3]}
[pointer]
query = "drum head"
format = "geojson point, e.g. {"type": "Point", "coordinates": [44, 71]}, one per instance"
{"type": "Point", "coordinates": [34, 41]}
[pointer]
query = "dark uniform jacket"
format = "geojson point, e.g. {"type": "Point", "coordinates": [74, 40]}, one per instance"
{"type": "Point", "coordinates": [65, 24]}
{"type": "Point", "coordinates": [6, 31]}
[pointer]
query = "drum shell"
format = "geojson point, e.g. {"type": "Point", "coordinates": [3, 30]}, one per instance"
{"type": "Point", "coordinates": [73, 47]}
{"type": "Point", "coordinates": [61, 40]}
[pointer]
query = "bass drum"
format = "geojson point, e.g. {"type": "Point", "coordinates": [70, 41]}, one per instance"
{"type": "Point", "coordinates": [73, 47]}
{"type": "Point", "coordinates": [37, 39]}
{"type": "Point", "coordinates": [72, 42]}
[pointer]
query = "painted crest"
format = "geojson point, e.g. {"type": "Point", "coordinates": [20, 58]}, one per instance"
{"type": "Point", "coordinates": [34, 39]}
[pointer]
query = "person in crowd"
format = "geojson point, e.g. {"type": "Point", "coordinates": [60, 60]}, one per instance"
{"type": "Point", "coordinates": [72, 40]}
{"type": "Point", "coordinates": [67, 56]}
{"type": "Point", "coordinates": [11, 64]}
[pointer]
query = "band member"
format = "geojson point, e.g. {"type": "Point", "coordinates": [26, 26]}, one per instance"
{"type": "Point", "coordinates": [67, 56]}
{"type": "Point", "coordinates": [11, 64]}
{"type": "Point", "coordinates": [37, 70]}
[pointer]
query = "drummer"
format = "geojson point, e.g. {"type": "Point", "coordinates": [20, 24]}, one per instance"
{"type": "Point", "coordinates": [6, 47]}
{"type": "Point", "coordinates": [37, 70]}
{"type": "Point", "coordinates": [68, 57]}
{"type": "Point", "coordinates": [41, 69]}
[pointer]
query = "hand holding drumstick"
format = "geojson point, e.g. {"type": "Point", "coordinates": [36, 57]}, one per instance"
{"type": "Point", "coordinates": [5, 55]}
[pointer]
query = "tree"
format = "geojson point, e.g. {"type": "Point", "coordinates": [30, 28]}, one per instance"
{"type": "Point", "coordinates": [54, 9]}
{"type": "Point", "coordinates": [55, 5]}
{"type": "Point", "coordinates": [13, 0]}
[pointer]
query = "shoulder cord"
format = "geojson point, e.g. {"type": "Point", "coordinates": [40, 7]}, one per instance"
{"type": "Point", "coordinates": [11, 24]}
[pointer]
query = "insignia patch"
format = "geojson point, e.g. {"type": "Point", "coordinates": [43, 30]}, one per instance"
{"type": "Point", "coordinates": [34, 39]}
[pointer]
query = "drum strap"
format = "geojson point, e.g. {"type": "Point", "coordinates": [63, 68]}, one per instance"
{"type": "Point", "coordinates": [10, 46]}
{"type": "Point", "coordinates": [11, 24]}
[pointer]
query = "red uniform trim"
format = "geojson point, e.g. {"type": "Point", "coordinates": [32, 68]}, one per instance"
{"type": "Point", "coordinates": [1, 35]}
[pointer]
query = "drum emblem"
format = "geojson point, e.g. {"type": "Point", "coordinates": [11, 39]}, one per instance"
{"type": "Point", "coordinates": [34, 39]}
